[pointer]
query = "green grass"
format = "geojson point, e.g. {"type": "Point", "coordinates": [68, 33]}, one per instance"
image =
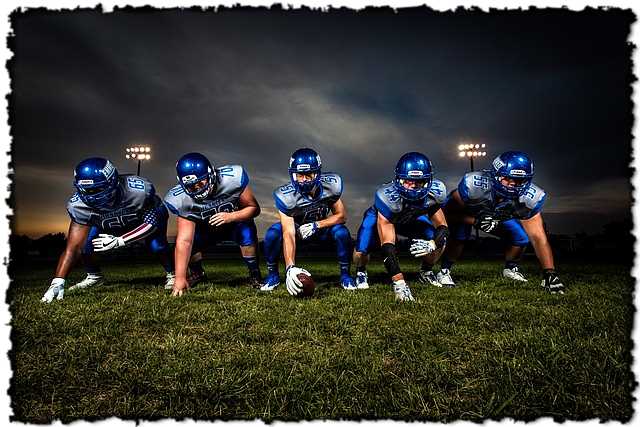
{"type": "Point", "coordinates": [486, 349]}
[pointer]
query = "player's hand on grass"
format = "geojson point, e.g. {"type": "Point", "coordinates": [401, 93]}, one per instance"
{"type": "Point", "coordinates": [552, 282]}
{"type": "Point", "coordinates": [487, 223]}
{"type": "Point", "coordinates": [180, 287]}
{"type": "Point", "coordinates": [420, 247]}
{"type": "Point", "coordinates": [105, 242]}
{"type": "Point", "coordinates": [221, 218]}
{"type": "Point", "coordinates": [56, 290]}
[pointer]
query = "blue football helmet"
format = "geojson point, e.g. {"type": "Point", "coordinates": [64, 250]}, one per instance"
{"type": "Point", "coordinates": [517, 166]}
{"type": "Point", "coordinates": [414, 167]}
{"type": "Point", "coordinates": [196, 175]}
{"type": "Point", "coordinates": [96, 180]}
{"type": "Point", "coordinates": [305, 160]}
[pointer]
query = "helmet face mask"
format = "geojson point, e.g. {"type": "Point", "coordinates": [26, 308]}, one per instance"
{"type": "Point", "coordinates": [414, 176]}
{"type": "Point", "coordinates": [305, 167]}
{"type": "Point", "coordinates": [96, 181]}
{"type": "Point", "coordinates": [512, 174]}
{"type": "Point", "coordinates": [196, 175]}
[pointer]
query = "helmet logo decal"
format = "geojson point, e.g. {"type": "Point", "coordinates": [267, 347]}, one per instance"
{"type": "Point", "coordinates": [318, 160]}
{"type": "Point", "coordinates": [108, 170]}
{"type": "Point", "coordinates": [187, 179]}
{"type": "Point", "coordinates": [498, 163]}
{"type": "Point", "coordinates": [518, 172]}
{"type": "Point", "coordinates": [303, 167]}
{"type": "Point", "coordinates": [416, 174]}
{"type": "Point", "coordinates": [85, 181]}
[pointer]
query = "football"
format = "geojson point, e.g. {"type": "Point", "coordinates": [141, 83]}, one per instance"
{"type": "Point", "coordinates": [308, 285]}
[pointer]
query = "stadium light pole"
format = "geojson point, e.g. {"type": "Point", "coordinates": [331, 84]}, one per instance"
{"type": "Point", "coordinates": [139, 153]}
{"type": "Point", "coordinates": [471, 151]}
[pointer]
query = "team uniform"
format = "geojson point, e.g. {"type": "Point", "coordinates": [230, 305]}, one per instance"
{"type": "Point", "coordinates": [231, 180]}
{"type": "Point", "coordinates": [138, 213]}
{"type": "Point", "coordinates": [305, 210]}
{"type": "Point", "coordinates": [479, 200]}
{"type": "Point", "coordinates": [410, 218]}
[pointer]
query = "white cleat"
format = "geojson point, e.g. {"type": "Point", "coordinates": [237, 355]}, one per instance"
{"type": "Point", "coordinates": [402, 291]}
{"type": "Point", "coordinates": [428, 278]}
{"type": "Point", "coordinates": [513, 274]}
{"type": "Point", "coordinates": [444, 279]}
{"type": "Point", "coordinates": [171, 280]}
{"type": "Point", "coordinates": [90, 281]}
{"type": "Point", "coordinates": [362, 280]}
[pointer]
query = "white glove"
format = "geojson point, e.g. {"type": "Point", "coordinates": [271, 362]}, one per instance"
{"type": "Point", "coordinates": [105, 242]}
{"type": "Point", "coordinates": [56, 290]}
{"type": "Point", "coordinates": [487, 223]}
{"type": "Point", "coordinates": [420, 247]}
{"type": "Point", "coordinates": [294, 286]}
{"type": "Point", "coordinates": [307, 230]}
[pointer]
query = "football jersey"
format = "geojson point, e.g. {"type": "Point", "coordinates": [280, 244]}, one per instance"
{"type": "Point", "coordinates": [304, 209]}
{"type": "Point", "coordinates": [136, 195]}
{"type": "Point", "coordinates": [231, 180]}
{"type": "Point", "coordinates": [399, 210]}
{"type": "Point", "coordinates": [479, 199]}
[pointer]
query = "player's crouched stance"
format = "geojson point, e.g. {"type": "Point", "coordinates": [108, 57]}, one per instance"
{"type": "Point", "coordinates": [504, 202]}
{"type": "Point", "coordinates": [109, 211]}
{"type": "Point", "coordinates": [310, 208]}
{"type": "Point", "coordinates": [409, 206]}
{"type": "Point", "coordinates": [212, 204]}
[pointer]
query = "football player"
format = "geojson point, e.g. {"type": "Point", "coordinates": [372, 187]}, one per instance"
{"type": "Point", "coordinates": [409, 206]}
{"type": "Point", "coordinates": [502, 201]}
{"type": "Point", "coordinates": [211, 204]}
{"type": "Point", "coordinates": [109, 211]}
{"type": "Point", "coordinates": [310, 208]}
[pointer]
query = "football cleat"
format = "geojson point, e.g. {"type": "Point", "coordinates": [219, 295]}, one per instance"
{"type": "Point", "coordinates": [88, 282]}
{"type": "Point", "coordinates": [196, 277]}
{"type": "Point", "coordinates": [444, 279]}
{"type": "Point", "coordinates": [171, 279]}
{"type": "Point", "coordinates": [402, 291]}
{"type": "Point", "coordinates": [347, 283]}
{"type": "Point", "coordinates": [513, 274]}
{"type": "Point", "coordinates": [428, 278]}
{"type": "Point", "coordinates": [271, 282]}
{"type": "Point", "coordinates": [362, 280]}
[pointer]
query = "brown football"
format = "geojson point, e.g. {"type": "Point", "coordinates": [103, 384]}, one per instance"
{"type": "Point", "coordinates": [308, 285]}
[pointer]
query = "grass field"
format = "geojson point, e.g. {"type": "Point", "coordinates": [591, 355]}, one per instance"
{"type": "Point", "coordinates": [488, 348]}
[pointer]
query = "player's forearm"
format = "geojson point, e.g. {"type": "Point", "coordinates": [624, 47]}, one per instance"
{"type": "Point", "coordinates": [332, 220]}
{"type": "Point", "coordinates": [143, 231]}
{"type": "Point", "coordinates": [182, 255]}
{"type": "Point", "coordinates": [289, 248]}
{"type": "Point", "coordinates": [543, 251]}
{"type": "Point", "coordinates": [246, 213]}
{"type": "Point", "coordinates": [66, 261]}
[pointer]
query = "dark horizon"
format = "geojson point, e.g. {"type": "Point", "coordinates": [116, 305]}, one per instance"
{"type": "Point", "coordinates": [361, 88]}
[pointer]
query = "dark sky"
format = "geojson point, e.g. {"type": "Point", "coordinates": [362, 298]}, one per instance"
{"type": "Point", "coordinates": [250, 86]}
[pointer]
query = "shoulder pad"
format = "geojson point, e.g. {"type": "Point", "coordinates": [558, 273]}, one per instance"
{"type": "Point", "coordinates": [174, 200]}
{"type": "Point", "coordinates": [331, 184]}
{"type": "Point", "coordinates": [78, 210]}
{"type": "Point", "coordinates": [534, 197]}
{"type": "Point", "coordinates": [231, 178]}
{"type": "Point", "coordinates": [474, 186]}
{"type": "Point", "coordinates": [285, 197]}
{"type": "Point", "coordinates": [438, 191]}
{"type": "Point", "coordinates": [388, 200]}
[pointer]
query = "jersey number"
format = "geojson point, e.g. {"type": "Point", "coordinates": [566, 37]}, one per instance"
{"type": "Point", "coordinates": [225, 207]}
{"type": "Point", "coordinates": [481, 181]}
{"type": "Point", "coordinates": [135, 183]}
{"type": "Point", "coordinates": [119, 221]}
